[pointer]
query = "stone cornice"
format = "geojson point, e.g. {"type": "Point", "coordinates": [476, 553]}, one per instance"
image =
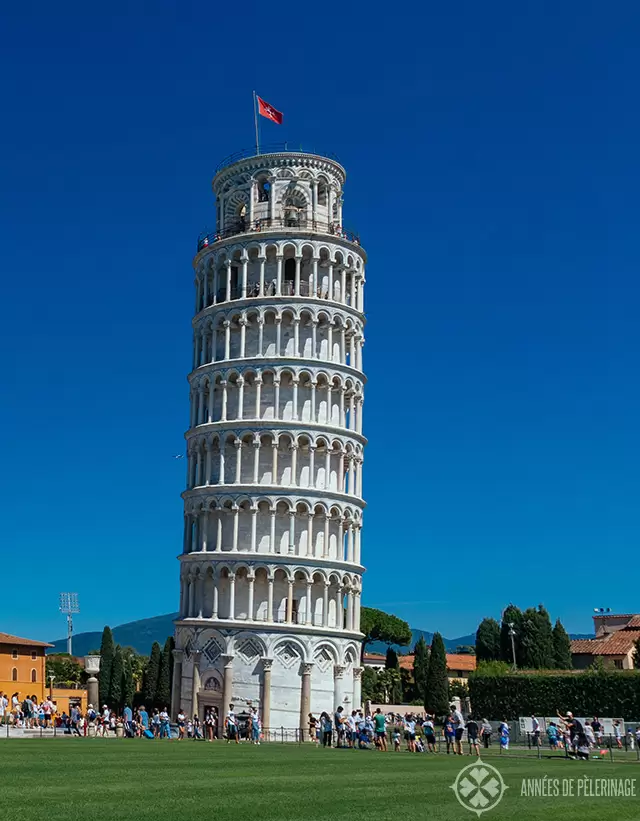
{"type": "Point", "coordinates": [262, 425]}
{"type": "Point", "coordinates": [287, 234]}
{"type": "Point", "coordinates": [243, 625]}
{"type": "Point", "coordinates": [276, 559]}
{"type": "Point", "coordinates": [254, 362]}
{"type": "Point", "coordinates": [284, 159]}
{"type": "Point", "coordinates": [281, 302]}
{"type": "Point", "coordinates": [277, 491]}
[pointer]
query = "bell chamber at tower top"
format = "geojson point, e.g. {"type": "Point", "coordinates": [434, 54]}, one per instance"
{"type": "Point", "coordinates": [283, 191]}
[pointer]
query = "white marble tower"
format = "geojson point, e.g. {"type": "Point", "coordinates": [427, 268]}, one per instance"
{"type": "Point", "coordinates": [270, 574]}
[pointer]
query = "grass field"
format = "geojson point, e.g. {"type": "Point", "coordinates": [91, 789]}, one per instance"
{"type": "Point", "coordinates": [95, 780]}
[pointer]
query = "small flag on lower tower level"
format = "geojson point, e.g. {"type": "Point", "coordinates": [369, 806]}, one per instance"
{"type": "Point", "coordinates": [269, 112]}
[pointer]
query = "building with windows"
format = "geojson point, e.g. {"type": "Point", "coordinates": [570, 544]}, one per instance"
{"type": "Point", "coordinates": [22, 666]}
{"type": "Point", "coordinates": [614, 642]}
{"type": "Point", "coordinates": [270, 573]}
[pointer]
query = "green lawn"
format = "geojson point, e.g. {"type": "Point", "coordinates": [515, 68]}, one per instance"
{"type": "Point", "coordinates": [96, 779]}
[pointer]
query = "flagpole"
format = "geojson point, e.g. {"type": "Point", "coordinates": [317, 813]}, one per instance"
{"type": "Point", "coordinates": [255, 118]}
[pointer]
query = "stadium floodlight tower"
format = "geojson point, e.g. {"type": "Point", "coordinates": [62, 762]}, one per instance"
{"type": "Point", "coordinates": [69, 606]}
{"type": "Point", "coordinates": [271, 572]}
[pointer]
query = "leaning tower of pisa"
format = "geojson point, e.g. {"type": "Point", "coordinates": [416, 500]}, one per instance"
{"type": "Point", "coordinates": [270, 573]}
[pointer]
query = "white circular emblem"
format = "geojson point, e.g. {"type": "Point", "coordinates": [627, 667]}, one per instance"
{"type": "Point", "coordinates": [479, 787]}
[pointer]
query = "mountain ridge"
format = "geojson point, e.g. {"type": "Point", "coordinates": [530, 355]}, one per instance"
{"type": "Point", "coordinates": [141, 634]}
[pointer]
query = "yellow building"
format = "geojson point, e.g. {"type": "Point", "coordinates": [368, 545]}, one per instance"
{"type": "Point", "coordinates": [22, 666]}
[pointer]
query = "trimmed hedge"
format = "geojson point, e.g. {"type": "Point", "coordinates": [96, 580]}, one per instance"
{"type": "Point", "coordinates": [542, 693]}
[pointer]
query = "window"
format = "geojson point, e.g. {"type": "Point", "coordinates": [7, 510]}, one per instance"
{"type": "Point", "coordinates": [14, 653]}
{"type": "Point", "coordinates": [34, 675]}
{"type": "Point", "coordinates": [34, 655]}
{"type": "Point", "coordinates": [263, 190]}
{"type": "Point", "coordinates": [289, 270]}
{"type": "Point", "coordinates": [14, 674]}
{"type": "Point", "coordinates": [322, 192]}
{"type": "Point", "coordinates": [617, 663]}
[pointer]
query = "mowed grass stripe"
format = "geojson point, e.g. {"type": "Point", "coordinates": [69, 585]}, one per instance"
{"type": "Point", "coordinates": [69, 779]}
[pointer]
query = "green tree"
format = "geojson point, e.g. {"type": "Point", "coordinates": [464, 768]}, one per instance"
{"type": "Point", "coordinates": [537, 639]}
{"type": "Point", "coordinates": [437, 686]}
{"type": "Point", "coordinates": [369, 684]}
{"type": "Point", "coordinates": [391, 661]}
{"type": "Point", "coordinates": [387, 683]}
{"type": "Point", "coordinates": [488, 640]}
{"type": "Point", "coordinates": [466, 649]}
{"type": "Point", "coordinates": [152, 673]}
{"type": "Point", "coordinates": [107, 652]}
{"type": "Point", "coordinates": [65, 668]}
{"type": "Point", "coordinates": [117, 674]}
{"type": "Point", "coordinates": [420, 667]}
{"type": "Point", "coordinates": [380, 626]}
{"type": "Point", "coordinates": [511, 615]}
{"type": "Point", "coordinates": [636, 654]}
{"type": "Point", "coordinates": [163, 691]}
{"type": "Point", "coordinates": [128, 683]}
{"type": "Point", "coordinates": [561, 647]}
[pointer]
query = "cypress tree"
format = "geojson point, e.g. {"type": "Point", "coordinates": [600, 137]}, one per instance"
{"type": "Point", "coordinates": [117, 673]}
{"type": "Point", "coordinates": [163, 690]}
{"type": "Point", "coordinates": [128, 683]}
{"type": "Point", "coordinates": [420, 667]}
{"type": "Point", "coordinates": [391, 661]}
{"type": "Point", "coordinates": [537, 639]}
{"type": "Point", "coordinates": [561, 647]}
{"type": "Point", "coordinates": [488, 640]}
{"type": "Point", "coordinates": [107, 651]}
{"type": "Point", "coordinates": [152, 673]}
{"type": "Point", "coordinates": [437, 686]}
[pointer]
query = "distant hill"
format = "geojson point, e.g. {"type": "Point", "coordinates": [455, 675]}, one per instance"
{"type": "Point", "coordinates": [141, 634]}
{"type": "Point", "coordinates": [137, 634]}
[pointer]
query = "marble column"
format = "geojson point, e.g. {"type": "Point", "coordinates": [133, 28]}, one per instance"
{"type": "Point", "coordinates": [305, 699]}
{"type": "Point", "coordinates": [357, 687]}
{"type": "Point", "coordinates": [227, 690]}
{"type": "Point", "coordinates": [195, 682]}
{"type": "Point", "coordinates": [176, 684]}
{"type": "Point", "coordinates": [266, 693]}
{"type": "Point", "coordinates": [338, 681]}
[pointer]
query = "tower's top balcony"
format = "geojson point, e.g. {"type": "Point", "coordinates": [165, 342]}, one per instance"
{"type": "Point", "coordinates": [282, 189]}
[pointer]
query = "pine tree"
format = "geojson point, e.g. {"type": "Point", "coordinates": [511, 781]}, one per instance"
{"type": "Point", "coordinates": [437, 686]}
{"type": "Point", "coordinates": [511, 615]}
{"type": "Point", "coordinates": [117, 673]}
{"type": "Point", "coordinates": [128, 683]}
{"type": "Point", "coordinates": [150, 681]}
{"type": "Point", "coordinates": [561, 647]}
{"type": "Point", "coordinates": [107, 651]}
{"type": "Point", "coordinates": [488, 640]}
{"type": "Point", "coordinates": [163, 690]}
{"type": "Point", "coordinates": [420, 667]}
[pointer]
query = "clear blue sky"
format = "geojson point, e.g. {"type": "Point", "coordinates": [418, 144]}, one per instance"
{"type": "Point", "coordinates": [493, 173]}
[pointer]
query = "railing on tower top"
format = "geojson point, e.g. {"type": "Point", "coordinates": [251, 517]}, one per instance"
{"type": "Point", "coordinates": [273, 148]}
{"type": "Point", "coordinates": [268, 224]}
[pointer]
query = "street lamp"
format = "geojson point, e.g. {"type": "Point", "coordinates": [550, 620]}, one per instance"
{"type": "Point", "coordinates": [512, 633]}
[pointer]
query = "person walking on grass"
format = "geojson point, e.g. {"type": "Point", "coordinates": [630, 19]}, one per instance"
{"type": "Point", "coordinates": [181, 723]}
{"type": "Point", "coordinates": [165, 726]}
{"type": "Point", "coordinates": [429, 731]}
{"type": "Point", "coordinates": [380, 728]}
{"type": "Point", "coordinates": [458, 724]}
{"type": "Point", "coordinates": [535, 729]}
{"type": "Point", "coordinates": [231, 726]}
{"type": "Point", "coordinates": [504, 735]}
{"type": "Point", "coordinates": [449, 735]}
{"type": "Point", "coordinates": [340, 728]}
{"type": "Point", "coordinates": [255, 727]}
{"type": "Point", "coordinates": [326, 729]}
{"type": "Point", "coordinates": [472, 735]}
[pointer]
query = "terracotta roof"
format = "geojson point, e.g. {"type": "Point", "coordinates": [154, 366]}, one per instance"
{"type": "Point", "coordinates": [7, 638]}
{"type": "Point", "coordinates": [455, 661]}
{"type": "Point", "coordinates": [615, 644]}
{"type": "Point", "coordinates": [634, 623]}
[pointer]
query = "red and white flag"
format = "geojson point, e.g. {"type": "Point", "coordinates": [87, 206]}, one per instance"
{"type": "Point", "coordinates": [269, 112]}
